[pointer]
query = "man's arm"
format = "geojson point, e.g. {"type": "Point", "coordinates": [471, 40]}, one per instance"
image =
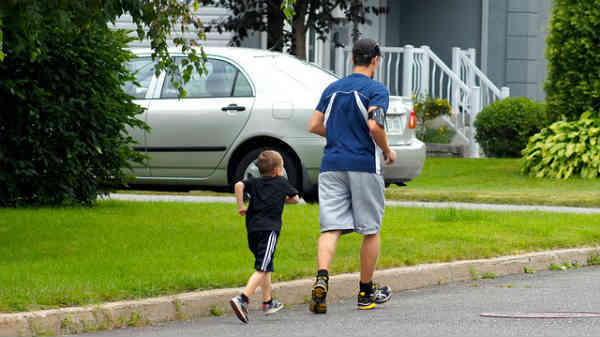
{"type": "Point", "coordinates": [316, 124]}
{"type": "Point", "coordinates": [239, 197]}
{"type": "Point", "coordinates": [380, 137]}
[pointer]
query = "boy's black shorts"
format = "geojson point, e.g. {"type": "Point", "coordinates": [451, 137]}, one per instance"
{"type": "Point", "coordinates": [263, 244]}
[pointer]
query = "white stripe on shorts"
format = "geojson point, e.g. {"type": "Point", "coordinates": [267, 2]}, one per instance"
{"type": "Point", "coordinates": [269, 253]}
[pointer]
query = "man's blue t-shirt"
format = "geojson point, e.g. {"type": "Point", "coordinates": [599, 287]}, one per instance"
{"type": "Point", "coordinates": [345, 103]}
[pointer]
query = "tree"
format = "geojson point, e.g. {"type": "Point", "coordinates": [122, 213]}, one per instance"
{"type": "Point", "coordinates": [64, 114]}
{"type": "Point", "coordinates": [24, 24]}
{"type": "Point", "coordinates": [570, 146]}
{"type": "Point", "coordinates": [573, 83]}
{"type": "Point", "coordinates": [268, 16]}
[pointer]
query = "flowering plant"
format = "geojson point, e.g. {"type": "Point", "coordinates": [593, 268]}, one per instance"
{"type": "Point", "coordinates": [428, 108]}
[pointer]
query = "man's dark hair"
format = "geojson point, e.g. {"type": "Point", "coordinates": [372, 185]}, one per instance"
{"type": "Point", "coordinates": [364, 51]}
{"type": "Point", "coordinates": [268, 161]}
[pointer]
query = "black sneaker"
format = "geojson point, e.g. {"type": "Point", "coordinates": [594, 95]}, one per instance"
{"type": "Point", "coordinates": [365, 301]}
{"type": "Point", "coordinates": [271, 308]}
{"type": "Point", "coordinates": [318, 305]}
{"type": "Point", "coordinates": [381, 295]}
{"type": "Point", "coordinates": [240, 308]}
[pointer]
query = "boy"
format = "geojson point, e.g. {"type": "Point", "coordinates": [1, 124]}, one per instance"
{"type": "Point", "coordinates": [267, 193]}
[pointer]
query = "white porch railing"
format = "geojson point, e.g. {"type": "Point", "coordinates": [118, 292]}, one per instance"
{"type": "Point", "coordinates": [408, 70]}
{"type": "Point", "coordinates": [463, 64]}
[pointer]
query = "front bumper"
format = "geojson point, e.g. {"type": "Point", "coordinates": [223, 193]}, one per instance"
{"type": "Point", "coordinates": [408, 165]}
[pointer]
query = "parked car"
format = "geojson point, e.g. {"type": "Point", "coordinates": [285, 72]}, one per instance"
{"type": "Point", "coordinates": [247, 101]}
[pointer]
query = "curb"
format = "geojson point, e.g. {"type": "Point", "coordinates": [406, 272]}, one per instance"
{"type": "Point", "coordinates": [203, 303]}
{"type": "Point", "coordinates": [392, 203]}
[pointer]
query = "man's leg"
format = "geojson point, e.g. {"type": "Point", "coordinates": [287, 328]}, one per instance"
{"type": "Point", "coordinates": [369, 252]}
{"type": "Point", "coordinates": [326, 248]}
{"type": "Point", "coordinates": [368, 206]}
{"type": "Point", "coordinates": [325, 251]}
{"type": "Point", "coordinates": [335, 215]}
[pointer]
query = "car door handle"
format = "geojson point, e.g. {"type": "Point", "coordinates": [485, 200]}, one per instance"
{"type": "Point", "coordinates": [233, 107]}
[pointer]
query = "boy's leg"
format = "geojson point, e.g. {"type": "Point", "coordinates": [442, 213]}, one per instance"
{"type": "Point", "coordinates": [255, 281]}
{"type": "Point", "coordinates": [265, 287]}
{"type": "Point", "coordinates": [262, 245]}
{"type": "Point", "coordinates": [270, 305]}
{"type": "Point", "coordinates": [239, 304]}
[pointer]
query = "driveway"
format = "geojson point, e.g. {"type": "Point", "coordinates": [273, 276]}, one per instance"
{"type": "Point", "coordinates": [447, 310]}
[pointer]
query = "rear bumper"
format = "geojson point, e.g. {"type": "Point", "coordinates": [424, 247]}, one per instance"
{"type": "Point", "coordinates": [408, 165]}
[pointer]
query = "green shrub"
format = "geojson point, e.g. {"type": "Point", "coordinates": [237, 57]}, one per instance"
{"type": "Point", "coordinates": [504, 127]}
{"type": "Point", "coordinates": [63, 116]}
{"type": "Point", "coordinates": [429, 108]}
{"type": "Point", "coordinates": [573, 82]}
{"type": "Point", "coordinates": [565, 149]}
{"type": "Point", "coordinates": [442, 135]}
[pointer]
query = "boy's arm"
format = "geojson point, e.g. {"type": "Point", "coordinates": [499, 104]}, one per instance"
{"type": "Point", "coordinates": [292, 200]}
{"type": "Point", "coordinates": [292, 196]}
{"type": "Point", "coordinates": [239, 197]}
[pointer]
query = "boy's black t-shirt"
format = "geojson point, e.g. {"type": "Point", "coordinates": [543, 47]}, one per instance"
{"type": "Point", "coordinates": [267, 197]}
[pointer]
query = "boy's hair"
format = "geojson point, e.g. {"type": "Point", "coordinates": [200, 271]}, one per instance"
{"type": "Point", "coordinates": [268, 161]}
{"type": "Point", "coordinates": [364, 51]}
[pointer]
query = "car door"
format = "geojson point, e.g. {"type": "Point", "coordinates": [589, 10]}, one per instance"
{"type": "Point", "coordinates": [143, 69]}
{"type": "Point", "coordinates": [191, 135]}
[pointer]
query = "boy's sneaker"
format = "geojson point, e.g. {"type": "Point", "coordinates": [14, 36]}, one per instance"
{"type": "Point", "coordinates": [318, 305]}
{"type": "Point", "coordinates": [379, 295]}
{"type": "Point", "coordinates": [271, 308]}
{"type": "Point", "coordinates": [240, 308]}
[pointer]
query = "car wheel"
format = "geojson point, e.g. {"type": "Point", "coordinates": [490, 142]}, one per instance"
{"type": "Point", "coordinates": [312, 197]}
{"type": "Point", "coordinates": [247, 167]}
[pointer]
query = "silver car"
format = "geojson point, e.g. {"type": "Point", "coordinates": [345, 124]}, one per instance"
{"type": "Point", "coordinates": [247, 101]}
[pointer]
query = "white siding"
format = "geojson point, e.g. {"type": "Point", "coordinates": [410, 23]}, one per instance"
{"type": "Point", "coordinates": [206, 14]}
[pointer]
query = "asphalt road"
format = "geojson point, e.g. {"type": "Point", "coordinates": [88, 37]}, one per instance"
{"type": "Point", "coordinates": [445, 310]}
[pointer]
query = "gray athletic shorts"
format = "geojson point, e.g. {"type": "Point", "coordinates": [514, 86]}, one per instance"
{"type": "Point", "coordinates": [351, 201]}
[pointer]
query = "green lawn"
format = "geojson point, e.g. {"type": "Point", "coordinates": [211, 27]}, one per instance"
{"type": "Point", "coordinates": [493, 181]}
{"type": "Point", "coordinates": [485, 180]}
{"type": "Point", "coordinates": [56, 257]}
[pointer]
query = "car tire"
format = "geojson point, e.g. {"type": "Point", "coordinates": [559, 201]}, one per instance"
{"type": "Point", "coordinates": [289, 165]}
{"type": "Point", "coordinates": [311, 194]}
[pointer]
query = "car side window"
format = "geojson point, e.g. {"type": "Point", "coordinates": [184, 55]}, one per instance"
{"type": "Point", "coordinates": [221, 79]}
{"type": "Point", "coordinates": [143, 69]}
{"type": "Point", "coordinates": [242, 86]}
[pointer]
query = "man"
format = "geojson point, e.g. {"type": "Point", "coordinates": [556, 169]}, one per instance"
{"type": "Point", "coordinates": [351, 115]}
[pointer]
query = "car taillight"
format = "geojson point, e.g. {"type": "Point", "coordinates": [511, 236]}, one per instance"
{"type": "Point", "coordinates": [412, 120]}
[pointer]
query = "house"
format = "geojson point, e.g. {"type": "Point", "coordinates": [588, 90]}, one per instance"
{"type": "Point", "coordinates": [508, 36]}
{"type": "Point", "coordinates": [471, 52]}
